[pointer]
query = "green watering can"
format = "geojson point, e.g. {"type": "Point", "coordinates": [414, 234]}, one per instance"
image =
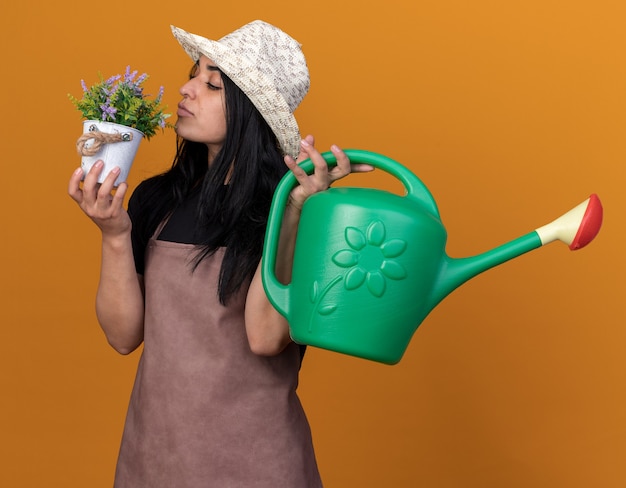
{"type": "Point", "coordinates": [370, 265]}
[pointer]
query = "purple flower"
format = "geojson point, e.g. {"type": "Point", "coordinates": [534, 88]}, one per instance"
{"type": "Point", "coordinates": [108, 112]}
{"type": "Point", "coordinates": [128, 76]}
{"type": "Point", "coordinates": [84, 85]}
{"type": "Point", "coordinates": [113, 79]}
{"type": "Point", "coordinates": [136, 85]}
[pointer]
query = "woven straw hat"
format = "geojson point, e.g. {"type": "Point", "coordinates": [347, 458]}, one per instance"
{"type": "Point", "coordinates": [268, 66]}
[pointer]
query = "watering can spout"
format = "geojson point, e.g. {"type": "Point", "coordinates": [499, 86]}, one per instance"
{"type": "Point", "coordinates": [456, 271]}
{"type": "Point", "coordinates": [576, 228]}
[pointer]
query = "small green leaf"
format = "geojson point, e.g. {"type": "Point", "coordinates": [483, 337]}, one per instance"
{"type": "Point", "coordinates": [327, 310]}
{"type": "Point", "coordinates": [314, 291]}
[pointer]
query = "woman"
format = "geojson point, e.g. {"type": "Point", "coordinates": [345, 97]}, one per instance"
{"type": "Point", "coordinates": [214, 401]}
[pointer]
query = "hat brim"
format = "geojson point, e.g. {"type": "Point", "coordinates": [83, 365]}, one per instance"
{"type": "Point", "coordinates": [257, 87]}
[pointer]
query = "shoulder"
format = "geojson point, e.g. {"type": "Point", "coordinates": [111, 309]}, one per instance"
{"type": "Point", "coordinates": [144, 189]}
{"type": "Point", "coordinates": [142, 195]}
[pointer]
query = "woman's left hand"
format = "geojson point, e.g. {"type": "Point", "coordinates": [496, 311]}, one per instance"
{"type": "Point", "coordinates": [322, 176]}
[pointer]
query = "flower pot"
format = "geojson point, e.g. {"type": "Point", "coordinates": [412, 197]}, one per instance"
{"type": "Point", "coordinates": [114, 144]}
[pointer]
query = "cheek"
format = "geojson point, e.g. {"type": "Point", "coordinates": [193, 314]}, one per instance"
{"type": "Point", "coordinates": [219, 118]}
{"type": "Point", "coordinates": [213, 125]}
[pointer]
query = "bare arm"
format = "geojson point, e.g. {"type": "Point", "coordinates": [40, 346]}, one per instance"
{"type": "Point", "coordinates": [119, 299]}
{"type": "Point", "coordinates": [267, 330]}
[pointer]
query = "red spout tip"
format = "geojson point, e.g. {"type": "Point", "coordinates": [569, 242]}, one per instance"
{"type": "Point", "coordinates": [589, 225]}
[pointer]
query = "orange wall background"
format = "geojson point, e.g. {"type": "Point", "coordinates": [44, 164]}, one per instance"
{"type": "Point", "coordinates": [511, 112]}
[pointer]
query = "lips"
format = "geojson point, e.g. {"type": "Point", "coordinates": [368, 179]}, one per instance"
{"type": "Point", "coordinates": [183, 112]}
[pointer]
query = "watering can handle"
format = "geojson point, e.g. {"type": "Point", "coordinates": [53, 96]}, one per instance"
{"type": "Point", "coordinates": [416, 190]}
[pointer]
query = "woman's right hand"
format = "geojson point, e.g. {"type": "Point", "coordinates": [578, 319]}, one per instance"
{"type": "Point", "coordinates": [119, 299]}
{"type": "Point", "coordinates": [99, 202]}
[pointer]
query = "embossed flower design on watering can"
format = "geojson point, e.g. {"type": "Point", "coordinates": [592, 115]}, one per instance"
{"type": "Point", "coordinates": [370, 261]}
{"type": "Point", "coordinates": [356, 258]}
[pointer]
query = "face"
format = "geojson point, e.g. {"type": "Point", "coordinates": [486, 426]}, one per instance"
{"type": "Point", "coordinates": [202, 113]}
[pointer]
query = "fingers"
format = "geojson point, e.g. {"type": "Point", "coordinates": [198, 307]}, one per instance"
{"type": "Point", "coordinates": [320, 164]}
{"type": "Point", "coordinates": [90, 183]}
{"type": "Point", "coordinates": [309, 139]}
{"type": "Point", "coordinates": [101, 202]}
{"type": "Point", "coordinates": [322, 176]}
{"type": "Point", "coordinates": [307, 151]}
{"type": "Point", "coordinates": [323, 173]}
{"type": "Point", "coordinates": [118, 197]}
{"type": "Point", "coordinates": [361, 168]}
{"type": "Point", "coordinates": [74, 186]}
{"type": "Point", "coordinates": [104, 190]}
{"type": "Point", "coordinates": [97, 199]}
{"type": "Point", "coordinates": [343, 166]}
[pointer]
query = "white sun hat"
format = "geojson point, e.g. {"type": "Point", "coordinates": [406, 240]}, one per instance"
{"type": "Point", "coordinates": [269, 67]}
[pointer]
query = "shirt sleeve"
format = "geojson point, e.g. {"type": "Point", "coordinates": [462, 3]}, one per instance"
{"type": "Point", "coordinates": [136, 207]}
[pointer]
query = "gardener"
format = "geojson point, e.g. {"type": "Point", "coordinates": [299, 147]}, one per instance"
{"type": "Point", "coordinates": [214, 402]}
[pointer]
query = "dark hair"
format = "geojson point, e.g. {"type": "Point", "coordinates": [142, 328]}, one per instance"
{"type": "Point", "coordinates": [236, 190]}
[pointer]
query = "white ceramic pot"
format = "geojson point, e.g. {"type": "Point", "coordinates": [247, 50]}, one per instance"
{"type": "Point", "coordinates": [120, 153]}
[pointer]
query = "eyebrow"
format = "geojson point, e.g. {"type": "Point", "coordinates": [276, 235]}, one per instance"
{"type": "Point", "coordinates": [209, 67]}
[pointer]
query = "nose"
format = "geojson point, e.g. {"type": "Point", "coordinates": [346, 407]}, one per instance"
{"type": "Point", "coordinates": [187, 89]}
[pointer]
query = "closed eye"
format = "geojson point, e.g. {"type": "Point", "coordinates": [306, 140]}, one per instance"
{"type": "Point", "coordinates": [195, 71]}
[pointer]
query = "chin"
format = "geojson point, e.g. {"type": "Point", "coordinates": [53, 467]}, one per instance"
{"type": "Point", "coordinates": [181, 132]}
